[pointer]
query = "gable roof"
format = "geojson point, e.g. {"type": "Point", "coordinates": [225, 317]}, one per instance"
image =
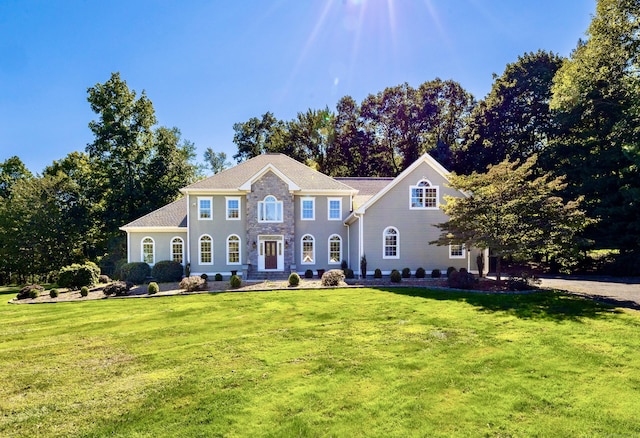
{"type": "Point", "coordinates": [426, 158]}
{"type": "Point", "coordinates": [297, 175]}
{"type": "Point", "coordinates": [173, 215]}
{"type": "Point", "coordinates": [367, 187]}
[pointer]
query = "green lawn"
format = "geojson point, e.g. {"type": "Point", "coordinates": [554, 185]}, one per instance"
{"type": "Point", "coordinates": [344, 362]}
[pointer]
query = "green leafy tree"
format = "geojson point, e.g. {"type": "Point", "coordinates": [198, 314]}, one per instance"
{"type": "Point", "coordinates": [597, 95]}
{"type": "Point", "coordinates": [310, 134]}
{"type": "Point", "coordinates": [217, 161]}
{"type": "Point", "coordinates": [514, 212]}
{"type": "Point", "coordinates": [12, 170]}
{"type": "Point", "coordinates": [257, 136]}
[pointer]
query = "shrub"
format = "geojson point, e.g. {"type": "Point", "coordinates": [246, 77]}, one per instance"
{"type": "Point", "coordinates": [75, 276]}
{"type": "Point", "coordinates": [192, 283]}
{"type": "Point", "coordinates": [344, 265]}
{"type": "Point", "coordinates": [104, 279]}
{"type": "Point", "coordinates": [308, 273]}
{"type": "Point", "coordinates": [30, 291]}
{"type": "Point", "coordinates": [396, 276]}
{"type": "Point", "coordinates": [523, 281]}
{"type": "Point", "coordinates": [53, 293]}
{"type": "Point", "coordinates": [235, 282]}
{"type": "Point", "coordinates": [348, 273]}
{"type": "Point", "coordinates": [420, 273]}
{"type": "Point", "coordinates": [333, 277]}
{"type": "Point", "coordinates": [135, 272]}
{"type": "Point", "coordinates": [406, 273]}
{"type": "Point", "coordinates": [461, 280]}
{"type": "Point", "coordinates": [204, 276]}
{"type": "Point", "coordinates": [218, 277]}
{"type": "Point", "coordinates": [84, 291]}
{"type": "Point", "coordinates": [118, 288]}
{"type": "Point", "coordinates": [436, 273]}
{"type": "Point", "coordinates": [167, 271]}
{"type": "Point", "coordinates": [294, 279]}
{"type": "Point", "coordinates": [450, 269]}
{"type": "Point", "coordinates": [153, 288]}
{"type": "Point", "coordinates": [377, 273]}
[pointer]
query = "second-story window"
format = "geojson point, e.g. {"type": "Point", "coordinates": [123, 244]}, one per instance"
{"type": "Point", "coordinates": [205, 210]}
{"type": "Point", "coordinates": [335, 209]}
{"type": "Point", "coordinates": [233, 208]}
{"type": "Point", "coordinates": [308, 209]}
{"type": "Point", "coordinates": [270, 210]}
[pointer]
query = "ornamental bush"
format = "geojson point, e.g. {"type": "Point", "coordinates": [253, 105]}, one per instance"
{"type": "Point", "coordinates": [377, 273]}
{"type": "Point", "coordinates": [420, 273]}
{"type": "Point", "coordinates": [84, 291]}
{"type": "Point", "coordinates": [30, 291]}
{"type": "Point", "coordinates": [75, 276]}
{"type": "Point", "coordinates": [235, 282]}
{"type": "Point", "coordinates": [308, 273]}
{"type": "Point", "coordinates": [436, 273]}
{"type": "Point", "coordinates": [167, 271]}
{"type": "Point", "coordinates": [136, 272]}
{"type": "Point", "coordinates": [53, 293]}
{"type": "Point", "coordinates": [396, 277]}
{"type": "Point", "coordinates": [348, 273]}
{"type": "Point", "coordinates": [118, 288]}
{"type": "Point", "coordinates": [104, 279]}
{"type": "Point", "coordinates": [204, 276]}
{"type": "Point", "coordinates": [192, 283]}
{"type": "Point", "coordinates": [333, 277]}
{"type": "Point", "coordinates": [153, 288]}
{"type": "Point", "coordinates": [218, 277]}
{"type": "Point", "coordinates": [294, 279]}
{"type": "Point", "coordinates": [406, 273]}
{"type": "Point", "coordinates": [461, 279]}
{"type": "Point", "coordinates": [450, 269]}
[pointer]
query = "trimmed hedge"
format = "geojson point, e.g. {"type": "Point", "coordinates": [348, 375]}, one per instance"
{"type": "Point", "coordinates": [235, 282]}
{"type": "Point", "coordinates": [396, 276]}
{"type": "Point", "coordinates": [308, 273]}
{"type": "Point", "coordinates": [75, 276]}
{"type": "Point", "coordinates": [294, 279]}
{"type": "Point", "coordinates": [136, 272]}
{"type": "Point", "coordinates": [153, 288]}
{"type": "Point", "coordinates": [167, 271]}
{"type": "Point", "coordinates": [420, 273]}
{"type": "Point", "coordinates": [436, 273]}
{"type": "Point", "coordinates": [377, 273]}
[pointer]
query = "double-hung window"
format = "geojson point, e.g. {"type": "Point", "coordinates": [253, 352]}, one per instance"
{"type": "Point", "coordinates": [205, 208]}
{"type": "Point", "coordinates": [424, 196]}
{"type": "Point", "coordinates": [308, 209]}
{"type": "Point", "coordinates": [233, 208]}
{"type": "Point", "coordinates": [335, 209]}
{"type": "Point", "coordinates": [270, 210]}
{"type": "Point", "coordinates": [457, 251]}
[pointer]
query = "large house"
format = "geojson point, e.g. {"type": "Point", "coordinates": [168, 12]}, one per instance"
{"type": "Point", "coordinates": [273, 214]}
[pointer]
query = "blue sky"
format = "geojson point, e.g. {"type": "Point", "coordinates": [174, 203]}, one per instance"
{"type": "Point", "coordinates": [206, 65]}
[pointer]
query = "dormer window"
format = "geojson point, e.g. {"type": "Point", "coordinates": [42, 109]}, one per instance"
{"type": "Point", "coordinates": [424, 195]}
{"type": "Point", "coordinates": [270, 210]}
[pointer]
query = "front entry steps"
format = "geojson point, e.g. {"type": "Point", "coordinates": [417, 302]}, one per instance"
{"type": "Point", "coordinates": [272, 276]}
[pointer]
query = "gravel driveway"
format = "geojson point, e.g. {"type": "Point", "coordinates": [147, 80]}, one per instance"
{"type": "Point", "coordinates": [620, 291]}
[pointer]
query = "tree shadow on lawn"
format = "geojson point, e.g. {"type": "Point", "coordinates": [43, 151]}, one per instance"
{"type": "Point", "coordinates": [545, 305]}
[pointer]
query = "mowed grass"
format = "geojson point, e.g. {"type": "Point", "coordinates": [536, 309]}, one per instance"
{"type": "Point", "coordinates": [343, 362]}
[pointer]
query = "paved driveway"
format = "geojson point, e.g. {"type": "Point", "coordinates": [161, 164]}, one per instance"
{"type": "Point", "coordinates": [625, 291]}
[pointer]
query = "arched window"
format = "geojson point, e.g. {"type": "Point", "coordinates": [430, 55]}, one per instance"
{"type": "Point", "coordinates": [391, 243]}
{"type": "Point", "coordinates": [148, 250]}
{"type": "Point", "coordinates": [335, 249]}
{"type": "Point", "coordinates": [424, 195]}
{"type": "Point", "coordinates": [205, 250]}
{"type": "Point", "coordinates": [177, 249]}
{"type": "Point", "coordinates": [308, 250]}
{"type": "Point", "coordinates": [233, 250]}
{"type": "Point", "coordinates": [270, 210]}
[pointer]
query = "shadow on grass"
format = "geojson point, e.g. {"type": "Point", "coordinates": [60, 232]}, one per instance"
{"type": "Point", "coordinates": [548, 305]}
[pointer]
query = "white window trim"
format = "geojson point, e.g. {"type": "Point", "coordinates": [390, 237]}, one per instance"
{"type": "Point", "coordinates": [205, 198]}
{"type": "Point", "coordinates": [339, 218]}
{"type": "Point", "coordinates": [417, 186]}
{"type": "Point", "coordinates": [464, 252]}
{"type": "Point", "coordinates": [313, 209]}
{"type": "Point", "coordinates": [329, 250]}
{"type": "Point", "coordinates": [384, 244]}
{"type": "Point", "coordinates": [313, 250]}
{"type": "Point", "coordinates": [171, 247]}
{"type": "Point", "coordinates": [153, 250]}
{"type": "Point", "coordinates": [279, 207]}
{"type": "Point", "coordinates": [226, 203]}
{"type": "Point", "coordinates": [239, 262]}
{"type": "Point", "coordinates": [200, 250]}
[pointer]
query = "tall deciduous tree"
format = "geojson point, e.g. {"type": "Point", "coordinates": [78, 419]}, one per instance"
{"type": "Point", "coordinates": [597, 92]}
{"type": "Point", "coordinates": [12, 170]}
{"type": "Point", "coordinates": [217, 161]}
{"type": "Point", "coordinates": [514, 212]}
{"type": "Point", "coordinates": [257, 136]}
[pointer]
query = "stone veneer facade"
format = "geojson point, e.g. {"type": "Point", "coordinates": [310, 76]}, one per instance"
{"type": "Point", "coordinates": [270, 184]}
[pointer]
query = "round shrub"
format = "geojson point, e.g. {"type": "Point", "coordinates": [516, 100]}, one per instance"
{"type": "Point", "coordinates": [308, 273]}
{"type": "Point", "coordinates": [436, 273]}
{"type": "Point", "coordinates": [104, 279]}
{"type": "Point", "coordinates": [406, 273]}
{"type": "Point", "coordinates": [75, 276]}
{"type": "Point", "coordinates": [205, 277]}
{"type": "Point", "coordinates": [84, 291]}
{"type": "Point", "coordinates": [167, 271]}
{"type": "Point", "coordinates": [218, 277]}
{"type": "Point", "coordinates": [235, 282]}
{"type": "Point", "coordinates": [53, 293]}
{"type": "Point", "coordinates": [420, 273]}
{"type": "Point", "coordinates": [396, 276]}
{"type": "Point", "coordinates": [117, 288]}
{"type": "Point", "coordinates": [294, 279]}
{"type": "Point", "coordinates": [136, 272]}
{"type": "Point", "coordinates": [192, 283]}
{"type": "Point", "coordinates": [333, 277]}
{"type": "Point", "coordinates": [450, 269]}
{"type": "Point", "coordinates": [461, 280]}
{"type": "Point", "coordinates": [348, 273]}
{"type": "Point", "coordinates": [377, 273]}
{"type": "Point", "coordinates": [153, 288]}
{"type": "Point", "coordinates": [30, 291]}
